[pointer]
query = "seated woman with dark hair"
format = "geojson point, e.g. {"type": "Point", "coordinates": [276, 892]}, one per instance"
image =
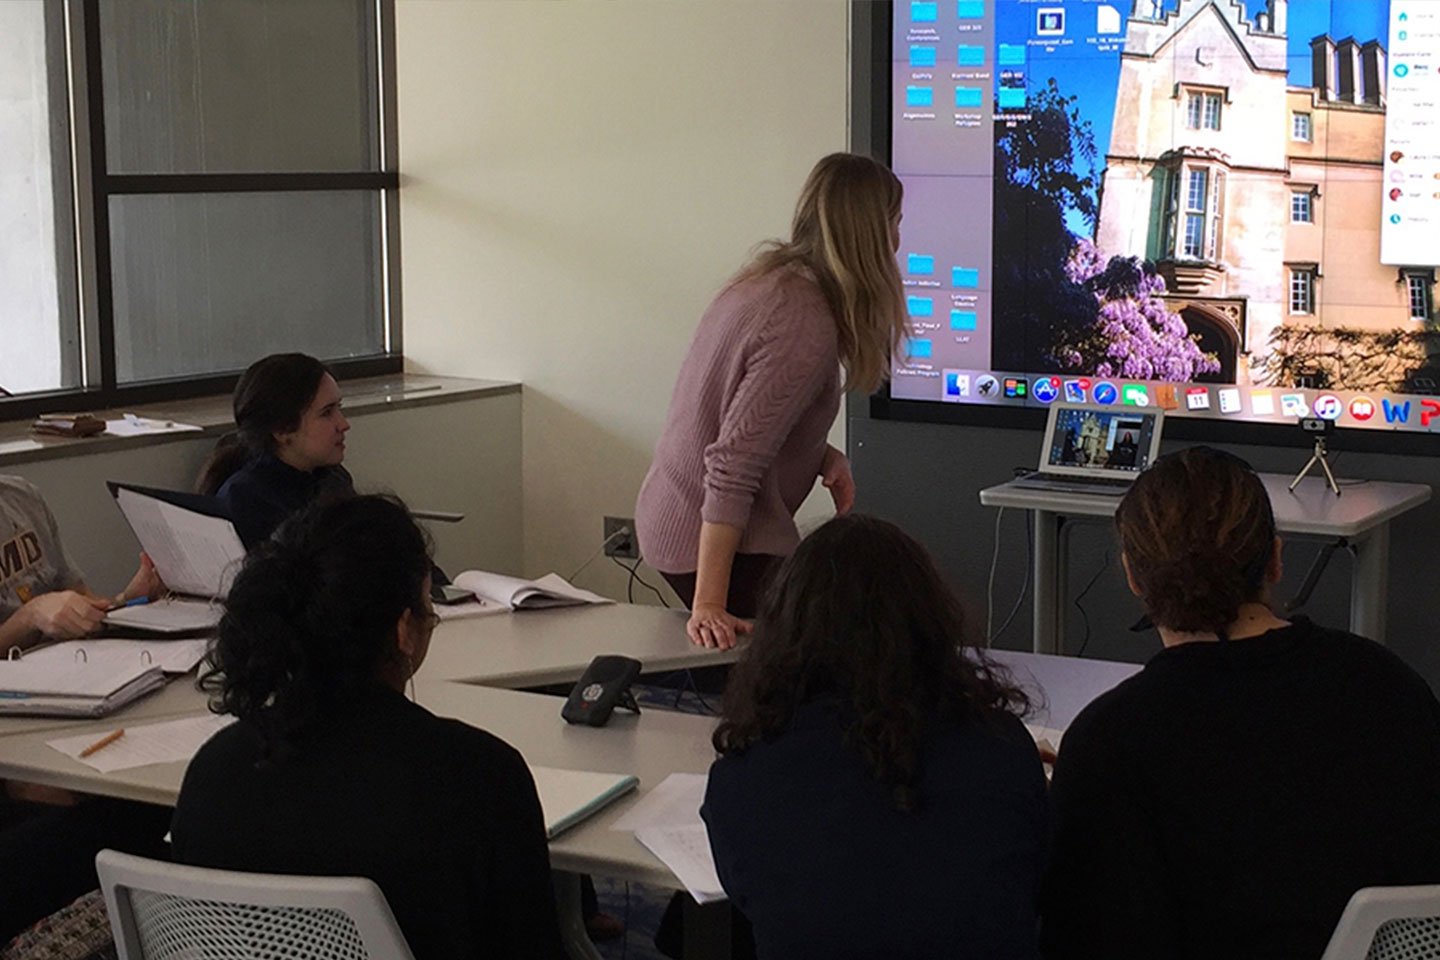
{"type": "Point", "coordinates": [332, 771]}
{"type": "Point", "coordinates": [1230, 798]}
{"type": "Point", "coordinates": [876, 795]}
{"type": "Point", "coordinates": [287, 447]}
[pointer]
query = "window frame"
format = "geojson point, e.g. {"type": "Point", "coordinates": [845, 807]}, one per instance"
{"type": "Point", "coordinates": [1309, 275]}
{"type": "Point", "coordinates": [1309, 119]}
{"type": "Point", "coordinates": [1419, 292]}
{"type": "Point", "coordinates": [1198, 103]}
{"type": "Point", "coordinates": [89, 279]}
{"type": "Point", "coordinates": [1308, 194]}
{"type": "Point", "coordinates": [1181, 212]}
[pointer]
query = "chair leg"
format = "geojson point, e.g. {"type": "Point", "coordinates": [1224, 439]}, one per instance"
{"type": "Point", "coordinates": [572, 922]}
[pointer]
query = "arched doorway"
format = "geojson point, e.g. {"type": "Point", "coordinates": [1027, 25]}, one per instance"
{"type": "Point", "coordinates": [1217, 334]}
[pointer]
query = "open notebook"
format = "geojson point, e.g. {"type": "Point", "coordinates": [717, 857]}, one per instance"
{"type": "Point", "coordinates": [195, 550]}
{"type": "Point", "coordinates": [513, 593]}
{"type": "Point", "coordinates": [74, 686]}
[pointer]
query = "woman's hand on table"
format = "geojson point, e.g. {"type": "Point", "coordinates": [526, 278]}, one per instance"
{"type": "Point", "coordinates": [711, 625]}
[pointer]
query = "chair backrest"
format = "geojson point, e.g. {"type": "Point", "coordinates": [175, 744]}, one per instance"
{"type": "Point", "coordinates": [1388, 923]}
{"type": "Point", "coordinates": [163, 911]}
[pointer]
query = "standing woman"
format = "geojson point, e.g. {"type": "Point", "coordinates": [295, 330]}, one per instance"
{"type": "Point", "coordinates": [745, 436]}
{"type": "Point", "coordinates": [287, 447]}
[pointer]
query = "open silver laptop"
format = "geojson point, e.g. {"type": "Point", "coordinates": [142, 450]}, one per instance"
{"type": "Point", "coordinates": [1095, 449]}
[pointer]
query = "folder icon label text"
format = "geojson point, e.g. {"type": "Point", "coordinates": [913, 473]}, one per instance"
{"type": "Point", "coordinates": [924, 11]}
{"type": "Point", "coordinates": [965, 277]}
{"type": "Point", "coordinates": [968, 96]}
{"type": "Point", "coordinates": [919, 97]}
{"type": "Point", "coordinates": [922, 56]}
{"type": "Point", "coordinates": [963, 320]}
{"type": "Point", "coordinates": [920, 306]}
{"type": "Point", "coordinates": [918, 348]}
{"type": "Point", "coordinates": [920, 264]}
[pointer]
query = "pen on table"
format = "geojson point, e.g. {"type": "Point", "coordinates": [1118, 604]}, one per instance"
{"type": "Point", "coordinates": [103, 742]}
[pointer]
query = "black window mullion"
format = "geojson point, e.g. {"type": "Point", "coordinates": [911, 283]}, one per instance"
{"type": "Point", "coordinates": [104, 281]}
{"type": "Point", "coordinates": [133, 183]}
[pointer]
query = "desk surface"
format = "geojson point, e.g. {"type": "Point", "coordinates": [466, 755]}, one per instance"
{"type": "Point", "coordinates": [535, 647]}
{"type": "Point", "coordinates": [1311, 509]}
{"type": "Point", "coordinates": [178, 697]}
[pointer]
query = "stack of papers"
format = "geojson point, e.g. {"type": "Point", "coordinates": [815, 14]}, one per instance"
{"type": "Point", "coordinates": [57, 687]}
{"type": "Point", "coordinates": [171, 656]}
{"type": "Point", "coordinates": [512, 593]}
{"type": "Point", "coordinates": [667, 821]}
{"type": "Point", "coordinates": [569, 796]}
{"type": "Point", "coordinates": [132, 426]}
{"type": "Point", "coordinates": [171, 741]}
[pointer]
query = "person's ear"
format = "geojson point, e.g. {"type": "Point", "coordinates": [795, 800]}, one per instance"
{"type": "Point", "coordinates": [1275, 568]}
{"type": "Point", "coordinates": [1129, 576]}
{"type": "Point", "coordinates": [408, 631]}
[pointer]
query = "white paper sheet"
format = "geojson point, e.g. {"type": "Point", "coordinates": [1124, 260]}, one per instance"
{"type": "Point", "coordinates": [551, 590]}
{"type": "Point", "coordinates": [168, 616]}
{"type": "Point", "coordinates": [686, 851]}
{"type": "Point", "coordinates": [675, 802]}
{"type": "Point", "coordinates": [468, 608]}
{"type": "Point", "coordinates": [193, 553]}
{"type": "Point", "coordinates": [167, 742]}
{"type": "Point", "coordinates": [133, 426]}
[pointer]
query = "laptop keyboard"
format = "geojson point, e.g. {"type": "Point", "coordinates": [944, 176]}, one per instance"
{"type": "Point", "coordinates": [1105, 486]}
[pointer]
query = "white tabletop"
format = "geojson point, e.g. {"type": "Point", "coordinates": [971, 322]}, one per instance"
{"type": "Point", "coordinates": [179, 696]}
{"type": "Point", "coordinates": [1311, 509]}
{"type": "Point", "coordinates": [1060, 687]}
{"type": "Point", "coordinates": [534, 647]}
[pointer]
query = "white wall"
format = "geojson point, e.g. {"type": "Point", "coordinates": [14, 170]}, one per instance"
{"type": "Point", "coordinates": [578, 179]}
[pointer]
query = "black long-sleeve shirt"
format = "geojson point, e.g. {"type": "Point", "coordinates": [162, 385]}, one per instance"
{"type": "Point", "coordinates": [267, 491]}
{"type": "Point", "coordinates": [812, 850]}
{"type": "Point", "coordinates": [1228, 799]}
{"type": "Point", "coordinates": [442, 816]}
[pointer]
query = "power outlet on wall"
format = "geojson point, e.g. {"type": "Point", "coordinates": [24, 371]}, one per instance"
{"type": "Point", "coordinates": [624, 546]}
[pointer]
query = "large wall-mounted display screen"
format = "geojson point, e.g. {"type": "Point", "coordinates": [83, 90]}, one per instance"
{"type": "Point", "coordinates": [1226, 208]}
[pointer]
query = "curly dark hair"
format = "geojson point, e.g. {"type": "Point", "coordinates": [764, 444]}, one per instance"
{"type": "Point", "coordinates": [310, 619]}
{"type": "Point", "coordinates": [1198, 534]}
{"type": "Point", "coordinates": [860, 614]}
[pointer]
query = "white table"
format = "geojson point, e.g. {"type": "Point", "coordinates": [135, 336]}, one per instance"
{"type": "Point", "coordinates": [1361, 517]}
{"type": "Point", "coordinates": [532, 648]}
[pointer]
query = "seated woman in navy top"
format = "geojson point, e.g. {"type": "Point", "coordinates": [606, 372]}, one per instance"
{"type": "Point", "coordinates": [877, 795]}
{"type": "Point", "coordinates": [1229, 799]}
{"type": "Point", "coordinates": [330, 770]}
{"type": "Point", "coordinates": [287, 447]}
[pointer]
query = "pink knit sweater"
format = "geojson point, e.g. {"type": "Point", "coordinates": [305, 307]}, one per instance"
{"type": "Point", "coordinates": [745, 435]}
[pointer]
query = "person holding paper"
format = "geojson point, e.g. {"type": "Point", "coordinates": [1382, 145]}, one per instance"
{"type": "Point", "coordinates": [876, 793]}
{"type": "Point", "coordinates": [1229, 799]}
{"type": "Point", "coordinates": [759, 390]}
{"type": "Point", "coordinates": [287, 448]}
{"type": "Point", "coordinates": [331, 770]}
{"type": "Point", "coordinates": [42, 594]}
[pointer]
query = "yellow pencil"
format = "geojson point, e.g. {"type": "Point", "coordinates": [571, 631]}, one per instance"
{"type": "Point", "coordinates": [103, 742]}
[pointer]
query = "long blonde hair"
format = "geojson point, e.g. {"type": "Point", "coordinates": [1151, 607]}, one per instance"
{"type": "Point", "coordinates": [841, 232]}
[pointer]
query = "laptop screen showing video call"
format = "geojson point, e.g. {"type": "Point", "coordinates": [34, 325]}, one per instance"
{"type": "Point", "coordinates": [1101, 441]}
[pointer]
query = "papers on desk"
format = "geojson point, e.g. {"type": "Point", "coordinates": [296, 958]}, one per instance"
{"type": "Point", "coordinates": [132, 426]}
{"type": "Point", "coordinates": [171, 656]}
{"type": "Point", "coordinates": [1045, 736]}
{"type": "Point", "coordinates": [667, 821]}
{"type": "Point", "coordinates": [569, 796]}
{"type": "Point", "coordinates": [468, 608]}
{"type": "Point", "coordinates": [170, 615]}
{"type": "Point", "coordinates": [512, 593]}
{"type": "Point", "coordinates": [37, 685]}
{"type": "Point", "coordinates": [171, 741]}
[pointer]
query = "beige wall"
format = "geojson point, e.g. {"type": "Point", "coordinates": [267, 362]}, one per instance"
{"type": "Point", "coordinates": [578, 179]}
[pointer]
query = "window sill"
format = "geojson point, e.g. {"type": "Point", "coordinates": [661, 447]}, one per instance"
{"type": "Point", "coordinates": [213, 415]}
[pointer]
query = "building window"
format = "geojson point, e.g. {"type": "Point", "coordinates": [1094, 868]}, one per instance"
{"type": "Point", "coordinates": [1300, 127]}
{"type": "Point", "coordinates": [225, 225]}
{"type": "Point", "coordinates": [1196, 193]}
{"type": "Point", "coordinates": [1302, 207]}
{"type": "Point", "coordinates": [1202, 110]}
{"type": "Point", "coordinates": [1418, 288]}
{"type": "Point", "coordinates": [1302, 290]}
{"type": "Point", "coordinates": [1196, 213]}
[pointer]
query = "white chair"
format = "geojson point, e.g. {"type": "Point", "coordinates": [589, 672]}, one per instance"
{"type": "Point", "coordinates": [162, 911]}
{"type": "Point", "coordinates": [1388, 923]}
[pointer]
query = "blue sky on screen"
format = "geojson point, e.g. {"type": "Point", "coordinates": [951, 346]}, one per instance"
{"type": "Point", "coordinates": [1081, 70]}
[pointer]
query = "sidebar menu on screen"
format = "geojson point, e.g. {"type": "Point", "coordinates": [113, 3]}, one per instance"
{"type": "Point", "coordinates": [1410, 218]}
{"type": "Point", "coordinates": [943, 146]}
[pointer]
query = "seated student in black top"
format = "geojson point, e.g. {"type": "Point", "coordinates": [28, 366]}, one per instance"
{"type": "Point", "coordinates": [876, 795]}
{"type": "Point", "coordinates": [332, 771]}
{"type": "Point", "coordinates": [1230, 798]}
{"type": "Point", "coordinates": [288, 444]}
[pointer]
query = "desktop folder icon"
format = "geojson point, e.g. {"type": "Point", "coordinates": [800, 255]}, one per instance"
{"type": "Point", "coordinates": [922, 56]}
{"type": "Point", "coordinates": [920, 306]}
{"type": "Point", "coordinates": [964, 277]}
{"type": "Point", "coordinates": [919, 97]}
{"type": "Point", "coordinates": [1011, 98]}
{"type": "Point", "coordinates": [967, 55]}
{"type": "Point", "coordinates": [969, 9]}
{"type": "Point", "coordinates": [922, 11]}
{"type": "Point", "coordinates": [963, 320]}
{"type": "Point", "coordinates": [1011, 55]}
{"type": "Point", "coordinates": [968, 96]}
{"type": "Point", "coordinates": [920, 264]}
{"type": "Point", "coordinates": [918, 349]}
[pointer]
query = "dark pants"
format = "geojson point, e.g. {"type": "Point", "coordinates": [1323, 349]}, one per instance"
{"type": "Point", "coordinates": [749, 575]}
{"type": "Point", "coordinates": [47, 854]}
